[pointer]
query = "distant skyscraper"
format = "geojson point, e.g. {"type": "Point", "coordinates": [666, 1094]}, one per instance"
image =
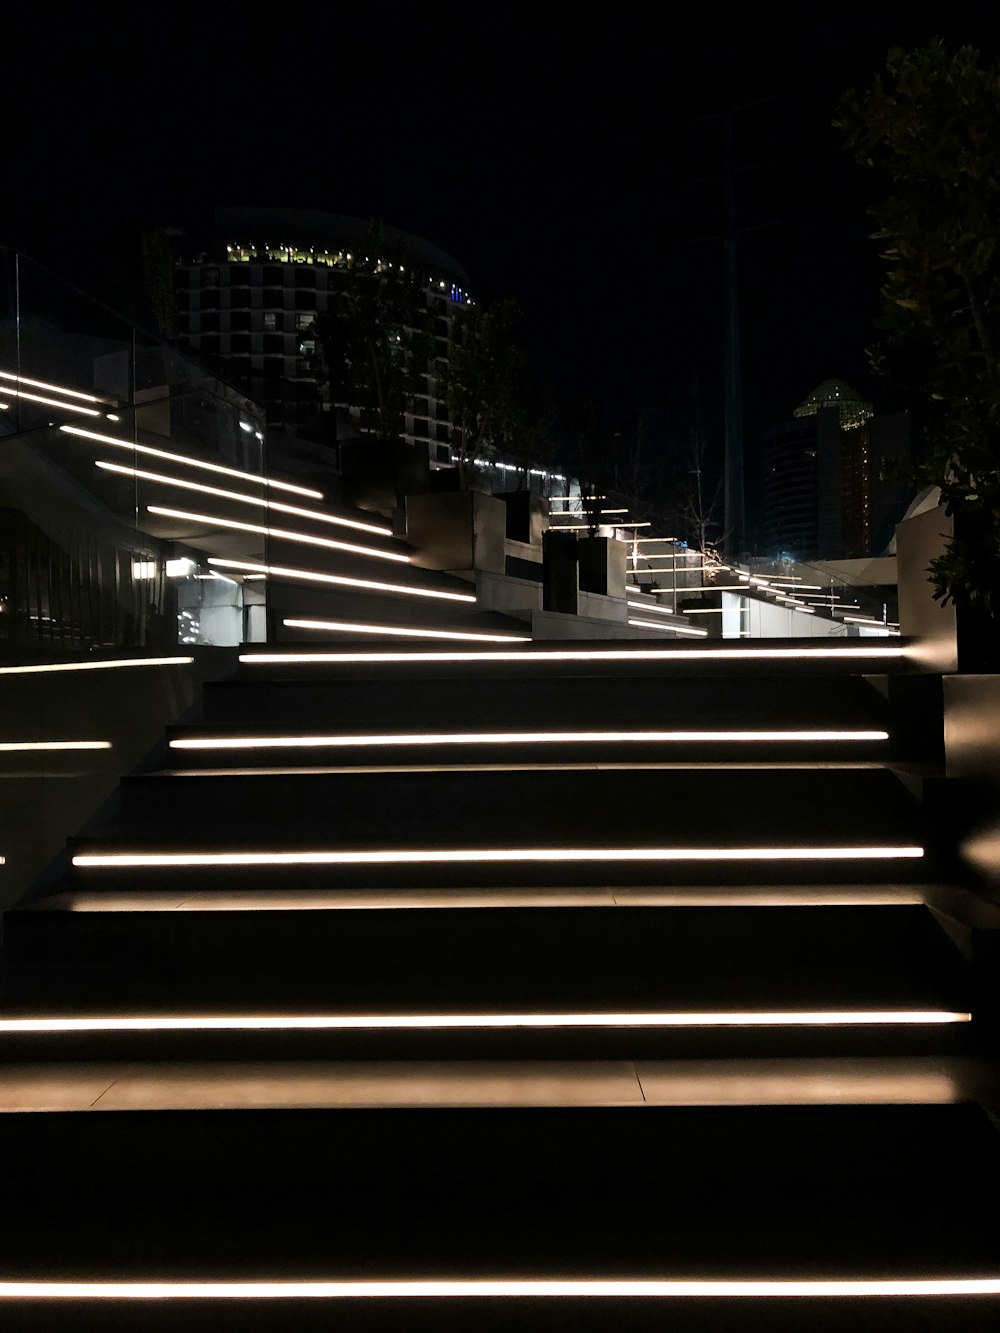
{"type": "Point", "coordinates": [834, 483]}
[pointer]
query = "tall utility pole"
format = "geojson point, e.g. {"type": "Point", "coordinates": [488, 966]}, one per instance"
{"type": "Point", "coordinates": [734, 523]}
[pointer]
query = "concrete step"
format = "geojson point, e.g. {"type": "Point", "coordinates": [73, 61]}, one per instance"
{"type": "Point", "coordinates": [717, 807]}
{"type": "Point", "coordinates": [545, 702]}
{"type": "Point", "coordinates": [525, 982]}
{"type": "Point", "coordinates": [196, 1085]}
{"type": "Point", "coordinates": [621, 658]}
{"type": "Point", "coordinates": [620, 1194]}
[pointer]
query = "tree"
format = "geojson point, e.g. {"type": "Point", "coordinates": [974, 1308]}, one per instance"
{"type": "Point", "coordinates": [483, 382]}
{"type": "Point", "coordinates": [375, 336]}
{"type": "Point", "coordinates": [931, 128]}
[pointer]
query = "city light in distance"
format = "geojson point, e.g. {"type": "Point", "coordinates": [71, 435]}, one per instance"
{"type": "Point", "coordinates": [218, 468]}
{"type": "Point", "coordinates": [260, 501]}
{"type": "Point", "coordinates": [423, 1022]}
{"type": "Point", "coordinates": [495, 855]}
{"type": "Point", "coordinates": [328, 543]}
{"type": "Point", "coordinates": [401, 631]}
{"type": "Point", "coordinates": [43, 668]}
{"type": "Point", "coordinates": [309, 575]}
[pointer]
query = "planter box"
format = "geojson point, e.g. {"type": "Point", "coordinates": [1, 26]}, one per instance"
{"type": "Point", "coordinates": [458, 530]}
{"type": "Point", "coordinates": [602, 565]}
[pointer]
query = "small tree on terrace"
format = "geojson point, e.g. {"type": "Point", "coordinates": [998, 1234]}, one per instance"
{"type": "Point", "coordinates": [483, 382]}
{"type": "Point", "coordinates": [931, 128]}
{"type": "Point", "coordinates": [375, 336]}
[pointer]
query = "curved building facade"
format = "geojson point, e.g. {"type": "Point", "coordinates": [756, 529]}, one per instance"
{"type": "Point", "coordinates": [246, 305]}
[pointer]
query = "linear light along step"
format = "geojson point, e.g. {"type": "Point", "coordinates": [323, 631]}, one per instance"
{"type": "Point", "coordinates": [514, 738]}
{"type": "Point", "coordinates": [56, 388]}
{"type": "Point", "coordinates": [43, 668]}
{"type": "Point", "coordinates": [54, 745]}
{"type": "Point", "coordinates": [675, 629]}
{"type": "Point", "coordinates": [555, 654]}
{"type": "Point", "coordinates": [524, 1288]}
{"type": "Point", "coordinates": [328, 543]}
{"type": "Point", "coordinates": [50, 402]}
{"type": "Point", "coordinates": [403, 632]}
{"type": "Point", "coordinates": [260, 501]}
{"type": "Point", "coordinates": [314, 576]}
{"type": "Point", "coordinates": [422, 1022]}
{"type": "Point", "coordinates": [219, 469]}
{"type": "Point", "coordinates": [483, 855]}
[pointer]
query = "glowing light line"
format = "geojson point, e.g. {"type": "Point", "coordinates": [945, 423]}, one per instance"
{"type": "Point", "coordinates": [50, 402]}
{"type": "Point", "coordinates": [567, 655]}
{"type": "Point", "coordinates": [399, 631]}
{"type": "Point", "coordinates": [188, 461]}
{"type": "Point", "coordinates": [496, 855]}
{"type": "Point", "coordinates": [676, 629]}
{"type": "Point", "coordinates": [44, 384]}
{"type": "Point", "coordinates": [518, 738]}
{"type": "Point", "coordinates": [42, 668]}
{"type": "Point", "coordinates": [7, 746]}
{"type": "Point", "coordinates": [513, 1288]}
{"type": "Point", "coordinates": [422, 1022]}
{"type": "Point", "coordinates": [327, 543]}
{"type": "Point", "coordinates": [259, 500]}
{"type": "Point", "coordinates": [279, 571]}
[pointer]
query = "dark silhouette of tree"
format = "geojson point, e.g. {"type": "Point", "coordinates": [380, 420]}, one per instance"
{"type": "Point", "coordinates": [483, 383]}
{"type": "Point", "coordinates": [375, 338]}
{"type": "Point", "coordinates": [931, 128]}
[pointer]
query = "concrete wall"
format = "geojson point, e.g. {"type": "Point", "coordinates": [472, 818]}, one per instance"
{"type": "Point", "coordinates": [48, 796]}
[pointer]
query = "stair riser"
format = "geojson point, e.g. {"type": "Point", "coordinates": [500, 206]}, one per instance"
{"type": "Point", "coordinates": [471, 960]}
{"type": "Point", "coordinates": [537, 808]}
{"type": "Point", "coordinates": [520, 1045]}
{"type": "Point", "coordinates": [605, 1315]}
{"type": "Point", "coordinates": [541, 700]}
{"type": "Point", "coordinates": [638, 755]}
{"type": "Point", "coordinates": [190, 880]}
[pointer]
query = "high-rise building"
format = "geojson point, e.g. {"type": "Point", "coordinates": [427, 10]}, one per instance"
{"type": "Point", "coordinates": [247, 303]}
{"type": "Point", "coordinates": [834, 477]}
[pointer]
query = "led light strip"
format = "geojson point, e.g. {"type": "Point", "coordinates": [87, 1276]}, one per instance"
{"type": "Point", "coordinates": [458, 1022]}
{"type": "Point", "coordinates": [399, 631]}
{"type": "Point", "coordinates": [56, 388]}
{"type": "Point", "coordinates": [495, 855]}
{"type": "Point", "coordinates": [555, 654]}
{"type": "Point", "coordinates": [674, 629]}
{"type": "Point", "coordinates": [50, 402]}
{"type": "Point", "coordinates": [525, 1288]}
{"type": "Point", "coordinates": [43, 668]}
{"type": "Point", "coordinates": [516, 738]}
{"type": "Point", "coordinates": [259, 500]}
{"type": "Point", "coordinates": [6, 746]}
{"type": "Point", "coordinates": [188, 461]}
{"type": "Point", "coordinates": [327, 543]}
{"type": "Point", "coordinates": [279, 571]}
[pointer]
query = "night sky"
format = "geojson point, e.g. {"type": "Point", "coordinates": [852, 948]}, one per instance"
{"type": "Point", "coordinates": [554, 150]}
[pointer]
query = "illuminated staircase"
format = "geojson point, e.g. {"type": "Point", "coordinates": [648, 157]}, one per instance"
{"type": "Point", "coordinates": [390, 976]}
